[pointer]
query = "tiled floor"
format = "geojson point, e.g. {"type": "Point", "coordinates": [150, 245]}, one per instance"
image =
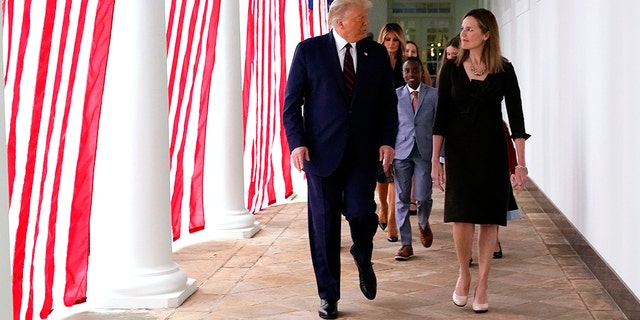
{"type": "Point", "coordinates": [270, 276]}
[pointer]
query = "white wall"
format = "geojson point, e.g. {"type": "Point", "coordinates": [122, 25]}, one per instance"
{"type": "Point", "coordinates": [577, 65]}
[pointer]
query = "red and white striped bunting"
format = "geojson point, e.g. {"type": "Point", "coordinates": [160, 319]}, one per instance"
{"type": "Point", "coordinates": [56, 56]}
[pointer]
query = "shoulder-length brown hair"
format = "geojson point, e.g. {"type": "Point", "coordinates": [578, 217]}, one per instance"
{"type": "Point", "coordinates": [491, 54]}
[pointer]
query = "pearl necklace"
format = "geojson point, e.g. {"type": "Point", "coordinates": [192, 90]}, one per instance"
{"type": "Point", "coordinates": [478, 72]}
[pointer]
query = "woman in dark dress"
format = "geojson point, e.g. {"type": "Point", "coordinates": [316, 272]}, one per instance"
{"type": "Point", "coordinates": [471, 90]}
{"type": "Point", "coordinates": [392, 37]}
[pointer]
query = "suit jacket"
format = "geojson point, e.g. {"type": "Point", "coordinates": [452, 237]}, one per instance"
{"type": "Point", "coordinates": [418, 124]}
{"type": "Point", "coordinates": [330, 118]}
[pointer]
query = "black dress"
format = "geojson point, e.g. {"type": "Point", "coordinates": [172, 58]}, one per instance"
{"type": "Point", "coordinates": [469, 117]}
{"type": "Point", "coordinates": [398, 79]}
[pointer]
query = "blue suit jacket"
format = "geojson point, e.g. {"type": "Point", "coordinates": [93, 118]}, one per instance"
{"type": "Point", "coordinates": [418, 124]}
{"type": "Point", "coordinates": [316, 82]}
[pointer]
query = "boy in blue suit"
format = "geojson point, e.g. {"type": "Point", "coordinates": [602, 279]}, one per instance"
{"type": "Point", "coordinates": [414, 141]}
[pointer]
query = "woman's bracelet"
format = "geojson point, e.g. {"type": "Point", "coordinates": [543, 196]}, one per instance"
{"type": "Point", "coordinates": [521, 167]}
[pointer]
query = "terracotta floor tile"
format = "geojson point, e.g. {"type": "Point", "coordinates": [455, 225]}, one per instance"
{"type": "Point", "coordinates": [270, 276]}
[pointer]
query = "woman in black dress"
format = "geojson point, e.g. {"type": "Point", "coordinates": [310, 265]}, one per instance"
{"type": "Point", "coordinates": [392, 37]}
{"type": "Point", "coordinates": [471, 90]}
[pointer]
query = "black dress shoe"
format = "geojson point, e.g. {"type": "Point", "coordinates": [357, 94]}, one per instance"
{"type": "Point", "coordinates": [414, 211]}
{"type": "Point", "coordinates": [392, 239]}
{"type": "Point", "coordinates": [383, 226]}
{"type": "Point", "coordinates": [328, 309]}
{"type": "Point", "coordinates": [368, 282]}
{"type": "Point", "coordinates": [498, 254]}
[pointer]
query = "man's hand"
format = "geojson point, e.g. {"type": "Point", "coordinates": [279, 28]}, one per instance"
{"type": "Point", "coordinates": [298, 155]}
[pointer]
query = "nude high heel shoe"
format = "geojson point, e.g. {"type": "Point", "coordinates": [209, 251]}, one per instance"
{"type": "Point", "coordinates": [479, 307]}
{"type": "Point", "coordinates": [459, 301]}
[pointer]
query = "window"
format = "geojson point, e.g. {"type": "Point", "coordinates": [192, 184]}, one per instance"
{"type": "Point", "coordinates": [421, 7]}
{"type": "Point", "coordinates": [404, 7]}
{"type": "Point", "coordinates": [428, 23]}
{"type": "Point", "coordinates": [439, 8]}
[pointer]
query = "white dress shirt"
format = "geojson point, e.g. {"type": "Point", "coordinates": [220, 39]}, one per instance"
{"type": "Point", "coordinates": [340, 43]}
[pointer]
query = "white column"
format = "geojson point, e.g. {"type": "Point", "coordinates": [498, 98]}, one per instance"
{"type": "Point", "coordinates": [131, 262]}
{"type": "Point", "coordinates": [6, 305]}
{"type": "Point", "coordinates": [225, 210]}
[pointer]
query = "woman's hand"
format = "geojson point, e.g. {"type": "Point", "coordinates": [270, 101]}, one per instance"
{"type": "Point", "coordinates": [387, 153]}
{"type": "Point", "coordinates": [519, 178]}
{"type": "Point", "coordinates": [437, 175]}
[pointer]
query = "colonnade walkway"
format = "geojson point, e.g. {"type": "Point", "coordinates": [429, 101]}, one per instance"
{"type": "Point", "coordinates": [270, 276]}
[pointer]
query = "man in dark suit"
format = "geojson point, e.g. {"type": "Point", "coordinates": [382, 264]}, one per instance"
{"type": "Point", "coordinates": [349, 124]}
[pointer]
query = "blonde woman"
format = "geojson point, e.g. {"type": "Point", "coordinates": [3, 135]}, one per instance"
{"type": "Point", "coordinates": [392, 37]}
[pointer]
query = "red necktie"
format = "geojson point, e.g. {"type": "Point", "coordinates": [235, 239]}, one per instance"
{"type": "Point", "coordinates": [348, 70]}
{"type": "Point", "coordinates": [414, 100]}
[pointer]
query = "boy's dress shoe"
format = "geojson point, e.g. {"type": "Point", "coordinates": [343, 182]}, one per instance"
{"type": "Point", "coordinates": [426, 236]}
{"type": "Point", "coordinates": [404, 253]}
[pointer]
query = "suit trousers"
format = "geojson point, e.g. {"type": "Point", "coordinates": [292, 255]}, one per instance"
{"type": "Point", "coordinates": [348, 191]}
{"type": "Point", "coordinates": [420, 169]}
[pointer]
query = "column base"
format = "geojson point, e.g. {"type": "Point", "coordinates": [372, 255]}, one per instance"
{"type": "Point", "coordinates": [239, 233]}
{"type": "Point", "coordinates": [211, 234]}
{"type": "Point", "coordinates": [232, 224]}
{"type": "Point", "coordinates": [166, 300]}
